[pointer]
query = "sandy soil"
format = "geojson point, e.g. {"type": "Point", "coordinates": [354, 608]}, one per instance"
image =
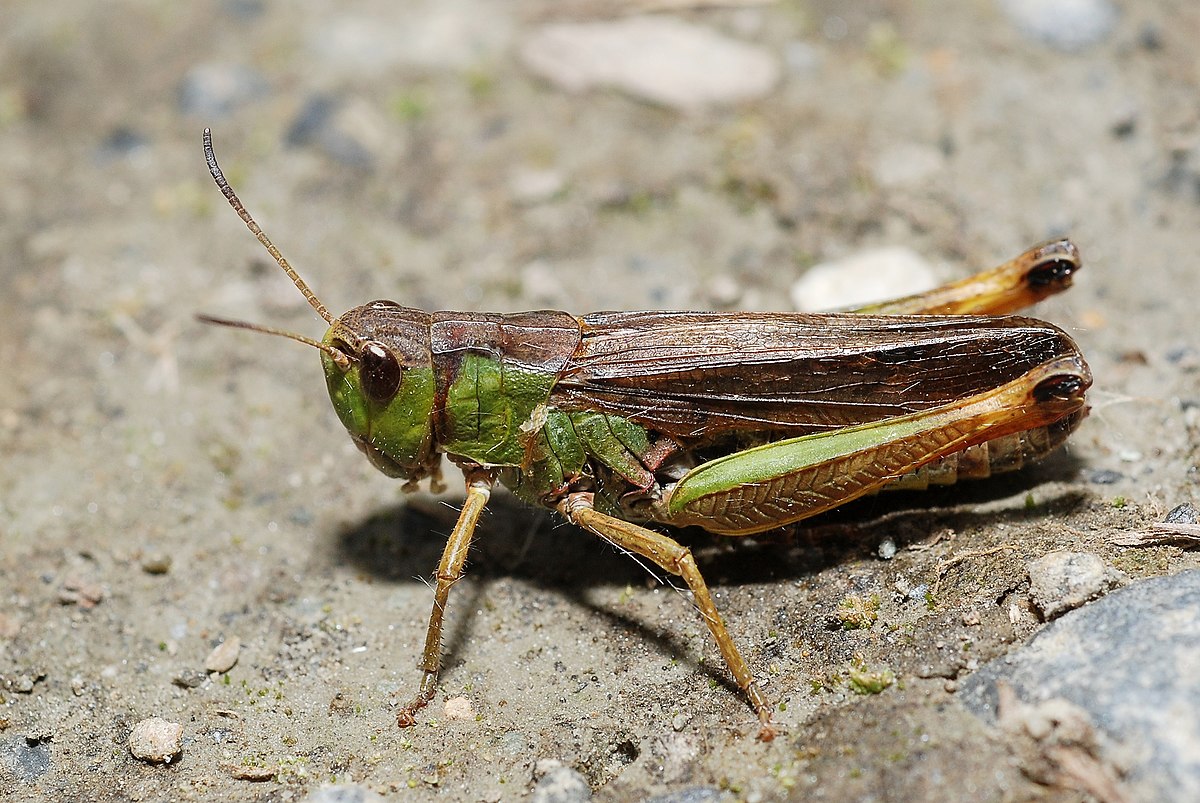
{"type": "Point", "coordinates": [166, 486]}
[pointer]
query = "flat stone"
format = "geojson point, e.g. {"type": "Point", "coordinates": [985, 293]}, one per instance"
{"type": "Point", "coordinates": [657, 59]}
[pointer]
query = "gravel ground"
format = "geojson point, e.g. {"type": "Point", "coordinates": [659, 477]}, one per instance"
{"type": "Point", "coordinates": [167, 487]}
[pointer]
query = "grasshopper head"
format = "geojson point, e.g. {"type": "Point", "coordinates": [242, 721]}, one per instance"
{"type": "Point", "coordinates": [380, 379]}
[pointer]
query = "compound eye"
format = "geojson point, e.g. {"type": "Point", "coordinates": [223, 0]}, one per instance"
{"type": "Point", "coordinates": [380, 373]}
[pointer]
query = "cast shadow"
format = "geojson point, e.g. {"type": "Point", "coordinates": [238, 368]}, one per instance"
{"type": "Point", "coordinates": [404, 544]}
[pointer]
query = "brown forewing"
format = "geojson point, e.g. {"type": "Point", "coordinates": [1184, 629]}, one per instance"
{"type": "Point", "coordinates": [694, 375]}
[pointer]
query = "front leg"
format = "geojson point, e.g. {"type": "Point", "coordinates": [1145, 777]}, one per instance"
{"type": "Point", "coordinates": [676, 559]}
{"type": "Point", "coordinates": [454, 557]}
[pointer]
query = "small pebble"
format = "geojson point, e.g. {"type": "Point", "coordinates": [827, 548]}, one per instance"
{"type": "Point", "coordinates": [862, 278]}
{"type": "Point", "coordinates": [887, 549]}
{"type": "Point", "coordinates": [1062, 581]}
{"type": "Point", "coordinates": [156, 740]}
{"type": "Point", "coordinates": [78, 591]}
{"type": "Point", "coordinates": [918, 593]}
{"type": "Point", "coordinates": [24, 682]}
{"type": "Point", "coordinates": [1183, 514]}
{"type": "Point", "coordinates": [190, 680]}
{"type": "Point", "coordinates": [224, 656]}
{"type": "Point", "coordinates": [723, 290]}
{"type": "Point", "coordinates": [156, 563]}
{"type": "Point", "coordinates": [459, 708]}
{"type": "Point", "coordinates": [1104, 476]}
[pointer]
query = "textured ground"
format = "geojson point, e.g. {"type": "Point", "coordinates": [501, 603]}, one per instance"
{"type": "Point", "coordinates": [165, 486]}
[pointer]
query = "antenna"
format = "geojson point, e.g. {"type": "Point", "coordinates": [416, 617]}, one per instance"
{"type": "Point", "coordinates": [340, 357]}
{"type": "Point", "coordinates": [236, 203]}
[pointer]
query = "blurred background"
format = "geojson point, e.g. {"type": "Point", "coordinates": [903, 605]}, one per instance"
{"type": "Point", "coordinates": [165, 486]}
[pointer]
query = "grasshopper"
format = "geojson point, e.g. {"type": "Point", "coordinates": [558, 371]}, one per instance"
{"type": "Point", "coordinates": [738, 423]}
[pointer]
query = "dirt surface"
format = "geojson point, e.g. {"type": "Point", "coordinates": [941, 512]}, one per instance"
{"type": "Point", "coordinates": [166, 486]}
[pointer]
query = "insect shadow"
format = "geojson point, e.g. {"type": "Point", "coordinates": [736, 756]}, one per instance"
{"type": "Point", "coordinates": [403, 544]}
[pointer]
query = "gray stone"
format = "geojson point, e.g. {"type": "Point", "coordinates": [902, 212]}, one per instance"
{"type": "Point", "coordinates": [1129, 661]}
{"type": "Point", "coordinates": [1183, 514]}
{"type": "Point", "coordinates": [1103, 476]}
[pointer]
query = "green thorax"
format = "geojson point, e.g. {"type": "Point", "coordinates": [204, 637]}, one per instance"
{"type": "Point", "coordinates": [494, 377]}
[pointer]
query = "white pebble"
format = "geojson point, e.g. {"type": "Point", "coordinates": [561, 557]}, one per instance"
{"type": "Point", "coordinates": [156, 740]}
{"type": "Point", "coordinates": [459, 708]}
{"type": "Point", "coordinates": [862, 278]}
{"type": "Point", "coordinates": [224, 656]}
